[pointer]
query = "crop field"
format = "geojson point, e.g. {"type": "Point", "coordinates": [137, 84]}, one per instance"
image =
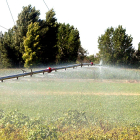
{"type": "Point", "coordinates": [80, 103]}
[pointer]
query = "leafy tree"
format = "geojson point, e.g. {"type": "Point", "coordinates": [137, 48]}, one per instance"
{"type": "Point", "coordinates": [4, 60]}
{"type": "Point", "coordinates": [31, 45]}
{"type": "Point", "coordinates": [139, 46]}
{"type": "Point", "coordinates": [91, 58]}
{"type": "Point", "coordinates": [44, 42]}
{"type": "Point", "coordinates": [94, 58]}
{"type": "Point", "coordinates": [73, 44]}
{"type": "Point", "coordinates": [27, 16]}
{"type": "Point", "coordinates": [106, 45]}
{"type": "Point", "coordinates": [7, 50]}
{"type": "Point", "coordinates": [136, 57]}
{"type": "Point", "coordinates": [116, 46]}
{"type": "Point", "coordinates": [51, 47]}
{"type": "Point", "coordinates": [48, 38]}
{"type": "Point", "coordinates": [82, 54]}
{"type": "Point", "coordinates": [68, 43]}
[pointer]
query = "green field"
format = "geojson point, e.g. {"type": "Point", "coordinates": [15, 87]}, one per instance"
{"type": "Point", "coordinates": [51, 95]}
{"type": "Point", "coordinates": [114, 101]}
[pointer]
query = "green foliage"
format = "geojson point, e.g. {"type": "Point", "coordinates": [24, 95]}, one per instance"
{"type": "Point", "coordinates": [73, 119]}
{"type": "Point", "coordinates": [52, 130]}
{"type": "Point", "coordinates": [139, 46]}
{"type": "Point", "coordinates": [57, 43]}
{"type": "Point", "coordinates": [15, 125]}
{"type": "Point", "coordinates": [116, 46]}
{"type": "Point", "coordinates": [82, 54]}
{"type": "Point", "coordinates": [136, 57]}
{"type": "Point", "coordinates": [51, 46]}
{"type": "Point", "coordinates": [68, 43]}
{"type": "Point", "coordinates": [48, 38]}
{"type": "Point", "coordinates": [53, 42]}
{"type": "Point", "coordinates": [7, 50]}
{"type": "Point", "coordinates": [31, 44]}
{"type": "Point", "coordinates": [50, 18]}
{"type": "Point", "coordinates": [11, 43]}
{"type": "Point", "coordinates": [94, 58]}
{"type": "Point", "coordinates": [4, 60]}
{"type": "Point", "coordinates": [27, 16]}
{"type": "Point", "coordinates": [14, 118]}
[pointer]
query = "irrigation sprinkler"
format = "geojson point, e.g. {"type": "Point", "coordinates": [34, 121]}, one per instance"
{"type": "Point", "coordinates": [49, 70]}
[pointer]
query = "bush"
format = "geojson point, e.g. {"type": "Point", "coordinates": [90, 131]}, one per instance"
{"type": "Point", "coordinates": [73, 125]}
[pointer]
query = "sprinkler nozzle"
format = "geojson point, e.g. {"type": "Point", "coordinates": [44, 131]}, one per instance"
{"type": "Point", "coordinates": [49, 69]}
{"type": "Point", "coordinates": [91, 63]}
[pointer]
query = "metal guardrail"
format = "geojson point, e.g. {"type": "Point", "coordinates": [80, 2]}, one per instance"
{"type": "Point", "coordinates": [49, 69]}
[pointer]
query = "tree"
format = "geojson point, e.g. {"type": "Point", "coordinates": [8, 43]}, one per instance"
{"type": "Point", "coordinates": [115, 46]}
{"type": "Point", "coordinates": [68, 43]}
{"type": "Point", "coordinates": [91, 58]}
{"type": "Point", "coordinates": [7, 50]}
{"type": "Point", "coordinates": [48, 38]}
{"type": "Point", "coordinates": [136, 57]}
{"type": "Point", "coordinates": [106, 45]}
{"type": "Point", "coordinates": [73, 44]}
{"type": "Point", "coordinates": [54, 42]}
{"type": "Point", "coordinates": [4, 60]}
{"type": "Point", "coordinates": [82, 54]}
{"type": "Point", "coordinates": [31, 45]}
{"type": "Point", "coordinates": [33, 41]}
{"type": "Point", "coordinates": [27, 16]}
{"type": "Point", "coordinates": [139, 46]}
{"type": "Point", "coordinates": [94, 58]}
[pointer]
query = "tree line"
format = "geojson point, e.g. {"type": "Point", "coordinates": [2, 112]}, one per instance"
{"type": "Point", "coordinates": [34, 42]}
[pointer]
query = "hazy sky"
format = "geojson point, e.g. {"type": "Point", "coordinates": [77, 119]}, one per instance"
{"type": "Point", "coordinates": [90, 17]}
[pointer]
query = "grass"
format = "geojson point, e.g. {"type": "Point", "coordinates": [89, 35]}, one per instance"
{"type": "Point", "coordinates": [72, 86]}
{"type": "Point", "coordinates": [109, 98]}
{"type": "Point", "coordinates": [52, 98]}
{"type": "Point", "coordinates": [51, 95]}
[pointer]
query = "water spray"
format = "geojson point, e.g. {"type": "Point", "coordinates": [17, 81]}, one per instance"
{"type": "Point", "coordinates": [49, 70]}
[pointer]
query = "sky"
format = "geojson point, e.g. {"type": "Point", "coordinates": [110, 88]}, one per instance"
{"type": "Point", "coordinates": [90, 17]}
